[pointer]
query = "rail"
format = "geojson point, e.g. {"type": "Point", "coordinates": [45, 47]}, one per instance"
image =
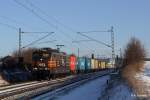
{"type": "Point", "coordinates": [34, 89]}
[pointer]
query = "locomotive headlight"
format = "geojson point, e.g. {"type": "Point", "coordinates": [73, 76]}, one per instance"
{"type": "Point", "coordinates": [41, 59]}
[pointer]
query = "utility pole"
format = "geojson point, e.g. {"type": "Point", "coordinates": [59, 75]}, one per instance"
{"type": "Point", "coordinates": [19, 54]}
{"type": "Point", "coordinates": [78, 53]}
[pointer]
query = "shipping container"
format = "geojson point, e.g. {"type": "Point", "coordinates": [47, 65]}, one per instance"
{"type": "Point", "coordinates": [92, 64]}
{"type": "Point", "coordinates": [108, 65]}
{"type": "Point", "coordinates": [81, 63]}
{"type": "Point", "coordinates": [87, 63]}
{"type": "Point", "coordinates": [72, 63]}
{"type": "Point", "coordinates": [96, 64]}
{"type": "Point", "coordinates": [99, 64]}
{"type": "Point", "coordinates": [103, 64]}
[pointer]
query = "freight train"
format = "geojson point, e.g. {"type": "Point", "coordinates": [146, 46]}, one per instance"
{"type": "Point", "coordinates": [49, 63]}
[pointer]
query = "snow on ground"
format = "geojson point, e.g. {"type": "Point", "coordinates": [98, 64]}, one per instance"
{"type": "Point", "coordinates": [147, 68]}
{"type": "Point", "coordinates": [102, 88]}
{"type": "Point", "coordinates": [87, 91]}
{"type": "Point", "coordinates": [144, 78]}
{"type": "Point", "coordinates": [117, 90]}
{"type": "Point", "coordinates": [3, 82]}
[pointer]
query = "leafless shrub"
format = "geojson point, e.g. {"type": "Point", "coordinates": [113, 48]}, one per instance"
{"type": "Point", "coordinates": [134, 53]}
{"type": "Point", "coordinates": [133, 63]}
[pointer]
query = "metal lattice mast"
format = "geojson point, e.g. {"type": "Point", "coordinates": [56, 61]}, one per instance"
{"type": "Point", "coordinates": [113, 46]}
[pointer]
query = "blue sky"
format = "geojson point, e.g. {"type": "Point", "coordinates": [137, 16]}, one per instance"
{"type": "Point", "coordinates": [129, 18]}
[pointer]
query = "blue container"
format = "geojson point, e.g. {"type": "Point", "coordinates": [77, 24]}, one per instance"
{"type": "Point", "coordinates": [81, 63]}
{"type": "Point", "coordinates": [87, 63]}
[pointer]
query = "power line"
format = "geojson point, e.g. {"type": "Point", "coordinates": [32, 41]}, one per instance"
{"type": "Point", "coordinates": [10, 26]}
{"type": "Point", "coordinates": [44, 13]}
{"type": "Point", "coordinates": [41, 18]}
{"type": "Point", "coordinates": [94, 39]}
{"type": "Point", "coordinates": [37, 15]}
{"type": "Point", "coordinates": [35, 32]}
{"type": "Point", "coordinates": [33, 12]}
{"type": "Point", "coordinates": [112, 42]}
{"type": "Point", "coordinates": [6, 18]}
{"type": "Point", "coordinates": [46, 42]}
{"type": "Point", "coordinates": [58, 22]}
{"type": "Point", "coordinates": [37, 40]}
{"type": "Point", "coordinates": [16, 22]}
{"type": "Point", "coordinates": [77, 41]}
{"type": "Point", "coordinates": [95, 31]}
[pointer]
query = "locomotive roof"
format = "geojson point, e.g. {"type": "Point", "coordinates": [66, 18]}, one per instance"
{"type": "Point", "coordinates": [46, 50]}
{"type": "Point", "coordinates": [49, 50]}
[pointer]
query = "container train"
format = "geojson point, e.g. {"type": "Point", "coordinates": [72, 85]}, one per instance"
{"type": "Point", "coordinates": [49, 63]}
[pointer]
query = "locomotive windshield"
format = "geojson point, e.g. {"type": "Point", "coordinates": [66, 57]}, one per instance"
{"type": "Point", "coordinates": [40, 56]}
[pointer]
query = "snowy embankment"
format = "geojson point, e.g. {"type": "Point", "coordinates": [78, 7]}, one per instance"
{"type": "Point", "coordinates": [144, 80]}
{"type": "Point", "coordinates": [102, 88]}
{"type": "Point", "coordinates": [117, 90]}
{"type": "Point", "coordinates": [88, 91]}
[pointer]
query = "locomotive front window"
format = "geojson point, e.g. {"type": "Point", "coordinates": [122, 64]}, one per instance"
{"type": "Point", "coordinates": [36, 56]}
{"type": "Point", "coordinates": [45, 55]}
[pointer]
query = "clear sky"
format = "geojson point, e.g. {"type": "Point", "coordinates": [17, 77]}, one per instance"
{"type": "Point", "coordinates": [66, 17]}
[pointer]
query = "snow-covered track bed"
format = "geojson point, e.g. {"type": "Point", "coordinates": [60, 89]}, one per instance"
{"type": "Point", "coordinates": [42, 87]}
{"type": "Point", "coordinates": [17, 85]}
{"type": "Point", "coordinates": [67, 86]}
{"type": "Point", "coordinates": [19, 90]}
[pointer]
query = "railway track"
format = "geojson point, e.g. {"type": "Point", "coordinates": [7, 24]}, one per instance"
{"type": "Point", "coordinates": [16, 85]}
{"type": "Point", "coordinates": [52, 94]}
{"type": "Point", "coordinates": [31, 90]}
{"type": "Point", "coordinates": [11, 92]}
